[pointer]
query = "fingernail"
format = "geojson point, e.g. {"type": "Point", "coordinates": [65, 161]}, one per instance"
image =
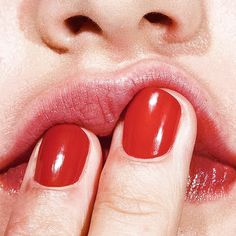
{"type": "Point", "coordinates": [62, 155]}
{"type": "Point", "coordinates": [150, 123]}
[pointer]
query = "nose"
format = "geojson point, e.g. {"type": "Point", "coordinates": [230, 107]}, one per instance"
{"type": "Point", "coordinates": [68, 25]}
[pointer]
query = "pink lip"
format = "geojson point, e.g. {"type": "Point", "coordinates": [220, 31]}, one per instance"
{"type": "Point", "coordinates": [96, 103]}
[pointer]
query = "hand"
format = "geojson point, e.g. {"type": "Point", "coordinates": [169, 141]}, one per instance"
{"type": "Point", "coordinates": [135, 196]}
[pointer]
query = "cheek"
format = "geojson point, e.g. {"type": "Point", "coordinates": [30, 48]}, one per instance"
{"type": "Point", "coordinates": [11, 41]}
{"type": "Point", "coordinates": [22, 67]}
{"type": "Point", "coordinates": [216, 68]}
{"type": "Point", "coordinates": [222, 17]}
{"type": "Point", "coordinates": [222, 59]}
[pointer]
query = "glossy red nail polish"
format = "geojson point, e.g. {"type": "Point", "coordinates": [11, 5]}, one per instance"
{"type": "Point", "coordinates": [62, 156]}
{"type": "Point", "coordinates": [151, 123]}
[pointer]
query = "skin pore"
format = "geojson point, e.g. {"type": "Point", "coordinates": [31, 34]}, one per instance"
{"type": "Point", "coordinates": [36, 48]}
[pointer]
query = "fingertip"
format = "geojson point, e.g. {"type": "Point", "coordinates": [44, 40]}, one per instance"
{"type": "Point", "coordinates": [183, 129]}
{"type": "Point", "coordinates": [141, 175]}
{"type": "Point", "coordinates": [55, 202]}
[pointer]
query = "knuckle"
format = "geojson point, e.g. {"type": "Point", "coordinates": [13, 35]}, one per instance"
{"type": "Point", "coordinates": [130, 205]}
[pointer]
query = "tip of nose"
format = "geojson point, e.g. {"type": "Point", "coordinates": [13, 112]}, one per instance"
{"type": "Point", "coordinates": [67, 27]}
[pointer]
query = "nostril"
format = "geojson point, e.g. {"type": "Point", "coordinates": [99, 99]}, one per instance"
{"type": "Point", "coordinates": [159, 18]}
{"type": "Point", "coordinates": [77, 24]}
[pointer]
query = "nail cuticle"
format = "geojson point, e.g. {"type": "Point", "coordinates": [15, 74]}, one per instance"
{"type": "Point", "coordinates": [146, 160]}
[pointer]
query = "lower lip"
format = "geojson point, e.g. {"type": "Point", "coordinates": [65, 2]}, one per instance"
{"type": "Point", "coordinates": [11, 180]}
{"type": "Point", "coordinates": [208, 180]}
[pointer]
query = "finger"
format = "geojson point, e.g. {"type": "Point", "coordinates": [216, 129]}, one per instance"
{"type": "Point", "coordinates": [143, 183]}
{"type": "Point", "coordinates": [58, 190]}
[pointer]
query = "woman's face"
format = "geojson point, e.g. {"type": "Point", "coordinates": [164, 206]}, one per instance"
{"type": "Point", "coordinates": [45, 51]}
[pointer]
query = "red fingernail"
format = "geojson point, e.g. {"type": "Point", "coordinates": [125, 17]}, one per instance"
{"type": "Point", "coordinates": [62, 156]}
{"type": "Point", "coordinates": [151, 123]}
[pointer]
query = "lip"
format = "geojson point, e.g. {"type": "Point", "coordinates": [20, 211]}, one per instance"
{"type": "Point", "coordinates": [96, 102]}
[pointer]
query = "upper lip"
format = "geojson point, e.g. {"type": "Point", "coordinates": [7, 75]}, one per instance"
{"type": "Point", "coordinates": [97, 102]}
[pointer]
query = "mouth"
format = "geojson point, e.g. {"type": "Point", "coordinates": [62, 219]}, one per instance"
{"type": "Point", "coordinates": [98, 104]}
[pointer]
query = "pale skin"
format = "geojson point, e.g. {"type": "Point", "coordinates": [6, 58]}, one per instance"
{"type": "Point", "coordinates": [32, 55]}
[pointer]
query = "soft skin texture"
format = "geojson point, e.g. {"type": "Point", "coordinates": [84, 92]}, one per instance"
{"type": "Point", "coordinates": [35, 49]}
{"type": "Point", "coordinates": [43, 210]}
{"type": "Point", "coordinates": [135, 196]}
